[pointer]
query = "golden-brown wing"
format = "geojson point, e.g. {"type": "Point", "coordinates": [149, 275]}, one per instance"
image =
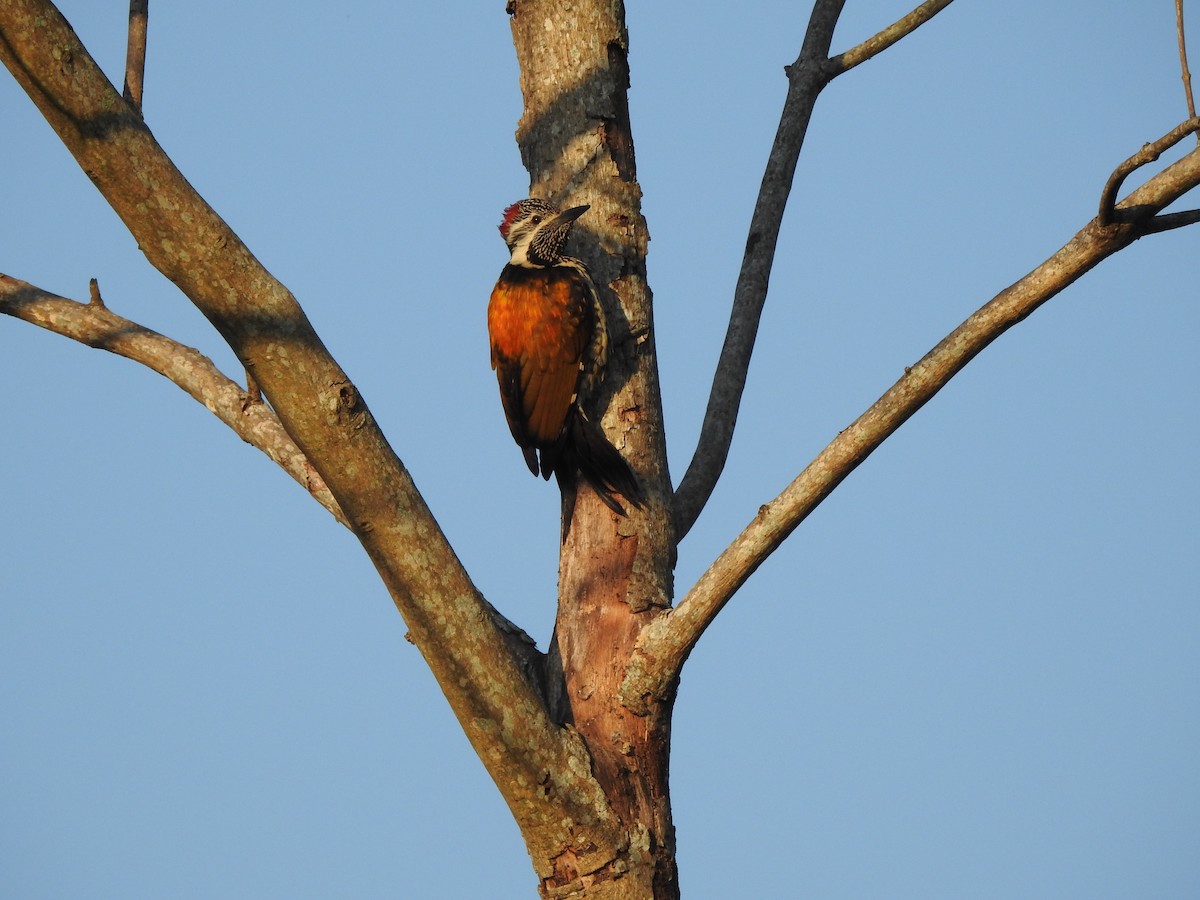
{"type": "Point", "coordinates": [539, 322]}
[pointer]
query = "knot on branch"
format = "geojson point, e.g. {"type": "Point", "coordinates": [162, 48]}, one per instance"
{"type": "Point", "coordinates": [349, 408]}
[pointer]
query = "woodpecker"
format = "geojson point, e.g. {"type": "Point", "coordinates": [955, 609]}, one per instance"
{"type": "Point", "coordinates": [549, 348]}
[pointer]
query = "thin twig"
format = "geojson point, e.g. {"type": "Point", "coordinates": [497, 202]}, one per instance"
{"type": "Point", "coordinates": [899, 29]}
{"type": "Point", "coordinates": [1148, 154]}
{"type": "Point", "coordinates": [95, 325]}
{"type": "Point", "coordinates": [1183, 62]}
{"type": "Point", "coordinates": [664, 645]}
{"type": "Point", "coordinates": [135, 53]}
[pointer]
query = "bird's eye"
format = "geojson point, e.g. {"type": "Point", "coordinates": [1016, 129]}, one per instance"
{"type": "Point", "coordinates": [536, 220]}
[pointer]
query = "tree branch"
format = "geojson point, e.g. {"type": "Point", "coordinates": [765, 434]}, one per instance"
{"type": "Point", "coordinates": [1171, 221]}
{"type": "Point", "coordinates": [499, 709]}
{"type": "Point", "coordinates": [135, 53]}
{"type": "Point", "coordinates": [1148, 154]}
{"type": "Point", "coordinates": [807, 77]}
{"type": "Point", "coordinates": [666, 643]}
{"type": "Point", "coordinates": [243, 411]}
{"type": "Point", "coordinates": [93, 324]}
{"type": "Point", "coordinates": [899, 29]}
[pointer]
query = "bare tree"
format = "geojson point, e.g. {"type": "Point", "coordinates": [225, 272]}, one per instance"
{"type": "Point", "coordinates": [577, 740]}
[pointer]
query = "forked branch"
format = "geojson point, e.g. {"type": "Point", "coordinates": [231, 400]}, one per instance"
{"type": "Point", "coordinates": [95, 325]}
{"type": "Point", "coordinates": [666, 643]}
{"type": "Point", "coordinates": [1148, 154]}
{"type": "Point", "coordinates": [807, 77]}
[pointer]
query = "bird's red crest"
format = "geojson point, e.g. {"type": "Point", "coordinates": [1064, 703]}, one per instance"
{"type": "Point", "coordinates": [510, 216]}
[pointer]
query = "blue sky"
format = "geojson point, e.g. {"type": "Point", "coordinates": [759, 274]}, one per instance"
{"type": "Point", "coordinates": [973, 672]}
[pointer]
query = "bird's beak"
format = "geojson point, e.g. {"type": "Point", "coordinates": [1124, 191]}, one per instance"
{"type": "Point", "coordinates": [567, 216]}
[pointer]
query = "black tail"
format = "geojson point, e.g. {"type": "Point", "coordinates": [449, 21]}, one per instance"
{"type": "Point", "coordinates": [588, 452]}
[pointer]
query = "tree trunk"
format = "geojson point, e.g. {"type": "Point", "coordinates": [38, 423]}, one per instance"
{"type": "Point", "coordinates": [615, 574]}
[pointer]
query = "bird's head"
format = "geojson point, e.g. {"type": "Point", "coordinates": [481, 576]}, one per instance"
{"type": "Point", "coordinates": [535, 231]}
